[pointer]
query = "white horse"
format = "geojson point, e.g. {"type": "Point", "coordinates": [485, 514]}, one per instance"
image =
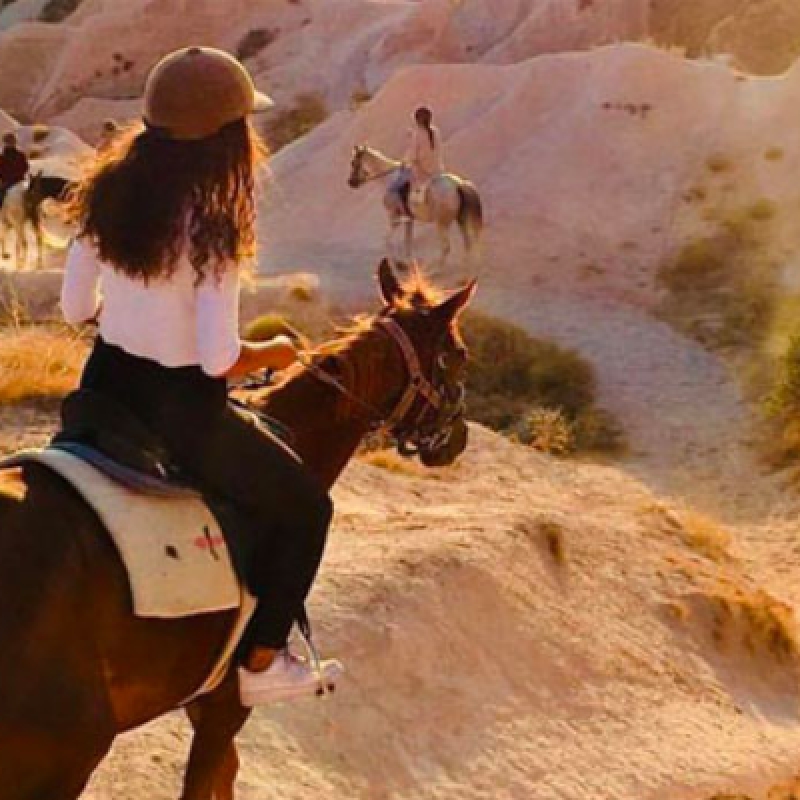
{"type": "Point", "coordinates": [448, 199]}
{"type": "Point", "coordinates": [35, 205]}
{"type": "Point", "coordinates": [13, 220]}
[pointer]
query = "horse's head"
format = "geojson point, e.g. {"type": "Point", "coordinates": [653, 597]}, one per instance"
{"type": "Point", "coordinates": [359, 173]}
{"type": "Point", "coordinates": [427, 416]}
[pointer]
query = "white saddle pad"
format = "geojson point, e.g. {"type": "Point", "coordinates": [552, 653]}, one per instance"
{"type": "Point", "coordinates": [173, 549]}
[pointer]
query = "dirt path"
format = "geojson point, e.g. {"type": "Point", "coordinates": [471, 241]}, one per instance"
{"type": "Point", "coordinates": [686, 421]}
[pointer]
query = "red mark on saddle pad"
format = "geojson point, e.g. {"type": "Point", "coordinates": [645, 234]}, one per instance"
{"type": "Point", "coordinates": [209, 542]}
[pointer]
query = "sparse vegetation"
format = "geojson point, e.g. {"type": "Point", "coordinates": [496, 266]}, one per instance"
{"type": "Point", "coordinates": [721, 286]}
{"type": "Point", "coordinates": [39, 362]}
{"type": "Point", "coordinates": [704, 535]}
{"type": "Point", "coordinates": [254, 42]}
{"type": "Point", "coordinates": [762, 210]}
{"type": "Point", "coordinates": [58, 10]}
{"type": "Point", "coordinates": [553, 534]}
{"type": "Point", "coordinates": [513, 376]}
{"type": "Point", "coordinates": [393, 462]}
{"type": "Point", "coordinates": [774, 154]}
{"type": "Point", "coordinates": [754, 617]}
{"type": "Point", "coordinates": [719, 164]}
{"type": "Point", "coordinates": [287, 125]}
{"type": "Point", "coordinates": [360, 97]}
{"type": "Point", "coordinates": [549, 431]}
{"type": "Point", "coordinates": [783, 407]}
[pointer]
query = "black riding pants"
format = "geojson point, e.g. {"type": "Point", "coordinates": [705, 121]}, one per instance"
{"type": "Point", "coordinates": [233, 457]}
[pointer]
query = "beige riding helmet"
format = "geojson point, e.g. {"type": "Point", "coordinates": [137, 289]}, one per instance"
{"type": "Point", "coordinates": [195, 92]}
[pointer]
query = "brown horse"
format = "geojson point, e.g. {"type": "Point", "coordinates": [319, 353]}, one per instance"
{"type": "Point", "coordinates": [77, 668]}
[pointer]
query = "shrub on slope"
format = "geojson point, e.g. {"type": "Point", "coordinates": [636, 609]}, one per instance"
{"type": "Point", "coordinates": [534, 389]}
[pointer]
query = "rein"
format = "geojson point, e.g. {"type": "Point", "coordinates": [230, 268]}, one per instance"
{"type": "Point", "coordinates": [418, 384]}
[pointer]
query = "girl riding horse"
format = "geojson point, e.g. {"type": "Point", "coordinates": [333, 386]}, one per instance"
{"type": "Point", "coordinates": [167, 227]}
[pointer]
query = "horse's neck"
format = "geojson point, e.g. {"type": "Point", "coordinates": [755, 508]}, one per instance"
{"type": "Point", "coordinates": [325, 437]}
{"type": "Point", "coordinates": [382, 163]}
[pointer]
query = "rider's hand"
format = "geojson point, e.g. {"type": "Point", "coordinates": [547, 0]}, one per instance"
{"type": "Point", "coordinates": [280, 353]}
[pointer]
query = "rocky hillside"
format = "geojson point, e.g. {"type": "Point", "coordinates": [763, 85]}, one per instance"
{"type": "Point", "coordinates": [345, 48]}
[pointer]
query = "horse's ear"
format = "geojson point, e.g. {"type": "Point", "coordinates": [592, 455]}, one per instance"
{"type": "Point", "coordinates": [456, 303]}
{"type": "Point", "coordinates": [391, 290]}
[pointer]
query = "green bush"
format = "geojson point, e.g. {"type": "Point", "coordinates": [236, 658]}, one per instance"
{"type": "Point", "coordinates": [520, 385]}
{"type": "Point", "coordinates": [268, 326]}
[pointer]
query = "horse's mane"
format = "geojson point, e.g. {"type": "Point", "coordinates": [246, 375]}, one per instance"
{"type": "Point", "coordinates": [358, 336]}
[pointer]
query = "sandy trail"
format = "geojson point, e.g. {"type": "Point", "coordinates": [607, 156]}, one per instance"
{"type": "Point", "coordinates": [685, 419]}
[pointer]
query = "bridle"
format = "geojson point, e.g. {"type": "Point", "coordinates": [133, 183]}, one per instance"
{"type": "Point", "coordinates": [439, 399]}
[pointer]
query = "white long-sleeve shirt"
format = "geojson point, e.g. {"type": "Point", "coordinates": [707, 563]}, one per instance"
{"type": "Point", "coordinates": [168, 320]}
{"type": "Point", "coordinates": [426, 161]}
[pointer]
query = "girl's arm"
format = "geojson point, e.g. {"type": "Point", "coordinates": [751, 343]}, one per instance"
{"type": "Point", "coordinates": [222, 353]}
{"type": "Point", "coordinates": [80, 296]}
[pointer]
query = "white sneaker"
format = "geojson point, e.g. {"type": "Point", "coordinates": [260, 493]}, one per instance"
{"type": "Point", "coordinates": [290, 677]}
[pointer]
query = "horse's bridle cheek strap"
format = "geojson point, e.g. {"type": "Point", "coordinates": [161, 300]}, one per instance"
{"type": "Point", "coordinates": [418, 384]}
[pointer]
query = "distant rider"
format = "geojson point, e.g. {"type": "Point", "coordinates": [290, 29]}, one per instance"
{"type": "Point", "coordinates": [424, 153]}
{"type": "Point", "coordinates": [14, 165]}
{"type": "Point", "coordinates": [422, 161]}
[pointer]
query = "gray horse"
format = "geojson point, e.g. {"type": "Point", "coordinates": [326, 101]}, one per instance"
{"type": "Point", "coordinates": [448, 199]}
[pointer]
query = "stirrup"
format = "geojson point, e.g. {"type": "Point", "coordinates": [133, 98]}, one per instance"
{"type": "Point", "coordinates": [304, 627]}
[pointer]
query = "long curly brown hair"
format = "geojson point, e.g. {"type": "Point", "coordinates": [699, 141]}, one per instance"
{"type": "Point", "coordinates": [144, 193]}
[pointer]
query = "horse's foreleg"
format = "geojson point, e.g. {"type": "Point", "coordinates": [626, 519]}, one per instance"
{"type": "Point", "coordinates": [22, 248]}
{"type": "Point", "coordinates": [5, 230]}
{"type": "Point", "coordinates": [213, 761]}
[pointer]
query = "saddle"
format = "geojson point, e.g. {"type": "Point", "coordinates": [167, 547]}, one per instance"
{"type": "Point", "coordinates": [111, 438]}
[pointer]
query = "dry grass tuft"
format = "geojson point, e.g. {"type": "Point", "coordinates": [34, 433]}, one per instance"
{"type": "Point", "coordinates": [719, 164]}
{"type": "Point", "coordinates": [761, 622]}
{"type": "Point", "coordinates": [393, 462]}
{"type": "Point", "coordinates": [554, 539]}
{"type": "Point", "coordinates": [549, 431]}
{"type": "Point", "coordinates": [705, 536]}
{"type": "Point", "coordinates": [39, 362]}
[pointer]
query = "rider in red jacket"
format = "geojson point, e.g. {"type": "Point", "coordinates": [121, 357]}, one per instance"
{"type": "Point", "coordinates": [14, 165]}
